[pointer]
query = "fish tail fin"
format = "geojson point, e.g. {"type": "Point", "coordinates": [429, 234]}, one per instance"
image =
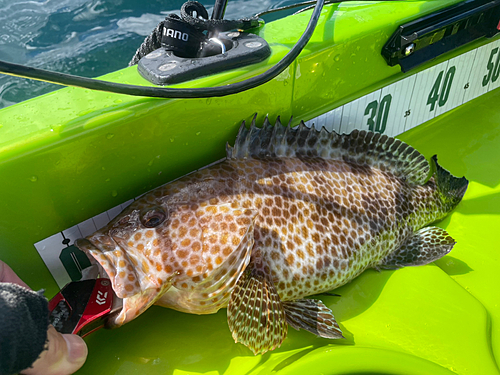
{"type": "Point", "coordinates": [452, 188]}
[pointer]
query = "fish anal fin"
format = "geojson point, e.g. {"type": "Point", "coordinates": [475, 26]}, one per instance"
{"type": "Point", "coordinates": [425, 246]}
{"type": "Point", "coordinates": [255, 313]}
{"type": "Point", "coordinates": [312, 315]}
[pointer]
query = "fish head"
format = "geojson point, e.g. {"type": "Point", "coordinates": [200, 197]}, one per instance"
{"type": "Point", "coordinates": [133, 251]}
{"type": "Point", "coordinates": [156, 244]}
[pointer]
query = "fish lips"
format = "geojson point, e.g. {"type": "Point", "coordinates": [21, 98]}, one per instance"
{"type": "Point", "coordinates": [111, 237]}
{"type": "Point", "coordinates": [92, 251]}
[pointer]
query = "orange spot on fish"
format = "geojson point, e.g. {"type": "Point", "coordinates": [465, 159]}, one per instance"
{"type": "Point", "coordinates": [194, 259]}
{"type": "Point", "coordinates": [183, 231]}
{"type": "Point", "coordinates": [129, 288]}
{"type": "Point", "coordinates": [223, 239]}
{"type": "Point", "coordinates": [175, 224]}
{"type": "Point", "coordinates": [211, 210]}
{"type": "Point", "coordinates": [235, 241]}
{"type": "Point", "coordinates": [182, 254]}
{"type": "Point", "coordinates": [137, 236]}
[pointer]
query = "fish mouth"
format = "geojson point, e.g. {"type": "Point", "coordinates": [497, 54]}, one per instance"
{"type": "Point", "coordinates": [95, 252]}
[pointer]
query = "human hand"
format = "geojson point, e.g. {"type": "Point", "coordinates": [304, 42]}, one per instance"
{"type": "Point", "coordinates": [65, 353]}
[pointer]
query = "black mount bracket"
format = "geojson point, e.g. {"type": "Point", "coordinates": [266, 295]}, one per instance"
{"type": "Point", "coordinates": [430, 36]}
{"type": "Point", "coordinates": [163, 67]}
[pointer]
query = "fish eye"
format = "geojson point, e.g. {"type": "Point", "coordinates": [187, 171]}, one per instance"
{"type": "Point", "coordinates": [153, 217]}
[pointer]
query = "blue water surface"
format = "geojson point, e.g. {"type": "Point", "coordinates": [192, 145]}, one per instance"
{"type": "Point", "coordinates": [85, 37]}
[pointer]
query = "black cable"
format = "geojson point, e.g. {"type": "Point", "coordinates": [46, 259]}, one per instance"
{"type": "Point", "coordinates": [291, 6]}
{"type": "Point", "coordinates": [161, 92]}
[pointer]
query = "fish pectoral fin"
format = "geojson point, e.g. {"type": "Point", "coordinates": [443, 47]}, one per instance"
{"type": "Point", "coordinates": [255, 313]}
{"type": "Point", "coordinates": [313, 316]}
{"type": "Point", "coordinates": [424, 247]}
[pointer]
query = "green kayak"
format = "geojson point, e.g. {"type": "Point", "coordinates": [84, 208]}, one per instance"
{"type": "Point", "coordinates": [73, 158]}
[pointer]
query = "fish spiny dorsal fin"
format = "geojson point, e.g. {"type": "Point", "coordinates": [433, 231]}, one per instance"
{"type": "Point", "coordinates": [363, 147]}
{"type": "Point", "coordinates": [255, 313]}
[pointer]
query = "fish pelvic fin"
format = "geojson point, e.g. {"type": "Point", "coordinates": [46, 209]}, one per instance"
{"type": "Point", "coordinates": [255, 313]}
{"type": "Point", "coordinates": [313, 316]}
{"type": "Point", "coordinates": [425, 246]}
{"type": "Point", "coordinates": [361, 147]}
{"type": "Point", "coordinates": [451, 188]}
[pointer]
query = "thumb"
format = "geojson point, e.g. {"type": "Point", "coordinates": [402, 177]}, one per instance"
{"type": "Point", "coordinates": [64, 355]}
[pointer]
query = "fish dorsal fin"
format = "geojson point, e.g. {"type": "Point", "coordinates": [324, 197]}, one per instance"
{"type": "Point", "coordinates": [363, 147]}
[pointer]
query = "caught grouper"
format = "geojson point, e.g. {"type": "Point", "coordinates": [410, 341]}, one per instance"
{"type": "Point", "coordinates": [289, 213]}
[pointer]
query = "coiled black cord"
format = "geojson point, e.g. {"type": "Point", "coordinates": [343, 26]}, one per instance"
{"type": "Point", "coordinates": [201, 23]}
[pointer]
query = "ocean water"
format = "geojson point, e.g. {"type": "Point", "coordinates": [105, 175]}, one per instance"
{"type": "Point", "coordinates": [85, 37]}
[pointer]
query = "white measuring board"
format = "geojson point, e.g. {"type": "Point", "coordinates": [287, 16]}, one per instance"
{"type": "Point", "coordinates": [50, 248]}
{"type": "Point", "coordinates": [390, 110]}
{"type": "Point", "coordinates": [420, 97]}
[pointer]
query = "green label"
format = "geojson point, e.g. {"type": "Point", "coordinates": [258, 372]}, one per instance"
{"type": "Point", "coordinates": [74, 261]}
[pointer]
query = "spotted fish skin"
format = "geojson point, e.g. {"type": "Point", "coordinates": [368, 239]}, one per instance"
{"type": "Point", "coordinates": [288, 214]}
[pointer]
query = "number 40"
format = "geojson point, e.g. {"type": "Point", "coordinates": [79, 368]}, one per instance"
{"type": "Point", "coordinates": [441, 97]}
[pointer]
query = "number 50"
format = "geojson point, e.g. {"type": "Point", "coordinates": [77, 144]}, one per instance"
{"type": "Point", "coordinates": [493, 68]}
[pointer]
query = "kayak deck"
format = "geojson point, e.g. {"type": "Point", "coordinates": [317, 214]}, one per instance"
{"type": "Point", "coordinates": [93, 151]}
{"type": "Point", "coordinates": [442, 319]}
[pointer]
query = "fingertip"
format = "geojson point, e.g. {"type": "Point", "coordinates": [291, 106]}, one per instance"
{"type": "Point", "coordinates": [77, 349]}
{"type": "Point", "coordinates": [65, 354]}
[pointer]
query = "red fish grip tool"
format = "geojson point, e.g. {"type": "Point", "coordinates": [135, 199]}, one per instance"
{"type": "Point", "coordinates": [82, 307]}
